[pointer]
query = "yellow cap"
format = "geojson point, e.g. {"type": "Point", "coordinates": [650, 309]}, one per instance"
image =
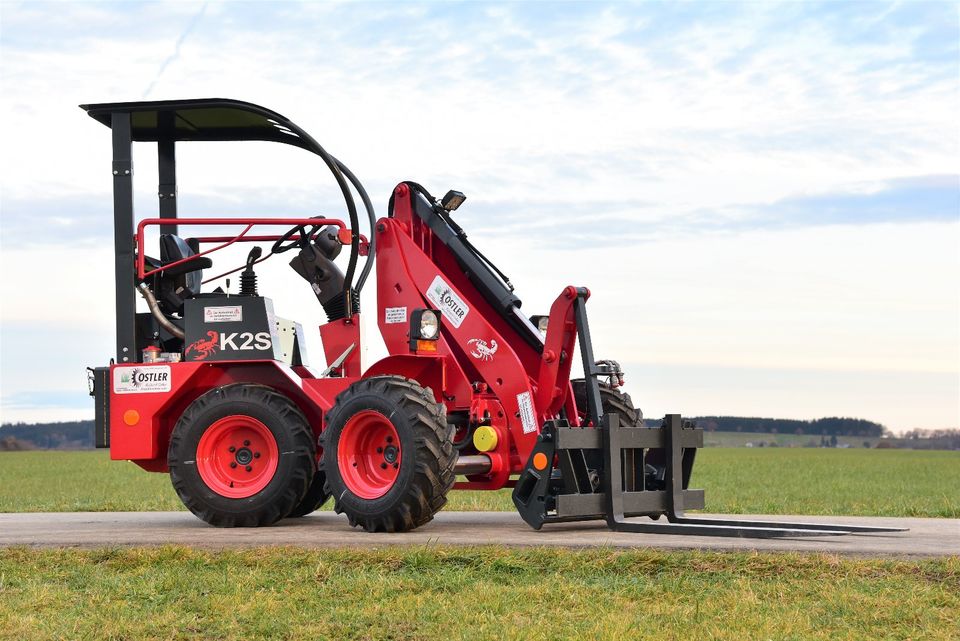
{"type": "Point", "coordinates": [485, 438]}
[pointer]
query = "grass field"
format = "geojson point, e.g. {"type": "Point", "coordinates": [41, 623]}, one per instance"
{"type": "Point", "coordinates": [435, 592]}
{"type": "Point", "coordinates": [470, 593]}
{"type": "Point", "coordinates": [758, 481]}
{"type": "Point", "coordinates": [740, 439]}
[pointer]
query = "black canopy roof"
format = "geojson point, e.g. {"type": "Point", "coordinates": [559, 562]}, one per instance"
{"type": "Point", "coordinates": [201, 119]}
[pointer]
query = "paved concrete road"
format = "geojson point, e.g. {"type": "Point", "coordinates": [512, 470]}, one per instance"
{"type": "Point", "coordinates": [927, 537]}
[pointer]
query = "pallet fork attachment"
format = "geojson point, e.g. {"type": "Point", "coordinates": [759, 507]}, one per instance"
{"type": "Point", "coordinates": [601, 471]}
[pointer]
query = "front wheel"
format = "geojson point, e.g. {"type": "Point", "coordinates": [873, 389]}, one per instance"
{"type": "Point", "coordinates": [612, 400]}
{"type": "Point", "coordinates": [241, 455]}
{"type": "Point", "coordinates": [387, 454]}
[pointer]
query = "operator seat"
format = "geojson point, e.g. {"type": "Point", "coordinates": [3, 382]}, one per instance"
{"type": "Point", "coordinates": [183, 281]}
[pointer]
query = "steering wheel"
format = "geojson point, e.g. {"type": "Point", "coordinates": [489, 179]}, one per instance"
{"type": "Point", "coordinates": [279, 247]}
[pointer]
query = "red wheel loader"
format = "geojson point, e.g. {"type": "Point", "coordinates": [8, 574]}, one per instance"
{"type": "Point", "coordinates": [215, 389]}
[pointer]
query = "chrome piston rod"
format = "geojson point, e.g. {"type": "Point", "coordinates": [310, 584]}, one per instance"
{"type": "Point", "coordinates": [472, 464]}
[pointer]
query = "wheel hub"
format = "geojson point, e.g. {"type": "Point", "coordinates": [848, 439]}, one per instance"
{"type": "Point", "coordinates": [369, 454]}
{"type": "Point", "coordinates": [237, 456]}
{"type": "Point", "coordinates": [390, 454]}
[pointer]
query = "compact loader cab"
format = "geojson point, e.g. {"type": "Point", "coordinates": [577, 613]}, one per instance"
{"type": "Point", "coordinates": [211, 387]}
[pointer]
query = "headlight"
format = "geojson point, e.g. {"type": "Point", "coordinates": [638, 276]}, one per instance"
{"type": "Point", "coordinates": [424, 330]}
{"type": "Point", "coordinates": [429, 325]}
{"type": "Point", "coordinates": [540, 322]}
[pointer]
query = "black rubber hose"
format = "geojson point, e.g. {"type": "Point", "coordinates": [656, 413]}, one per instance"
{"type": "Point", "coordinates": [372, 217]}
{"type": "Point", "coordinates": [351, 209]}
{"type": "Point", "coordinates": [315, 147]}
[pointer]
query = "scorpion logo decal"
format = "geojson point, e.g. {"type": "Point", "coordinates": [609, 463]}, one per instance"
{"type": "Point", "coordinates": [203, 348]}
{"type": "Point", "coordinates": [481, 350]}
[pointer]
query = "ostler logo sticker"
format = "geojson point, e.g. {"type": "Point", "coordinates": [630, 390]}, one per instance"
{"type": "Point", "coordinates": [136, 380]}
{"type": "Point", "coordinates": [447, 301]}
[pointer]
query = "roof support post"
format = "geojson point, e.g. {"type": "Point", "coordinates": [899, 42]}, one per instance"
{"type": "Point", "coordinates": [167, 165]}
{"type": "Point", "coordinates": [123, 239]}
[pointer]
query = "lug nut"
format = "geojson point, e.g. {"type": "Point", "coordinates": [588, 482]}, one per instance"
{"type": "Point", "coordinates": [249, 469]}
{"type": "Point", "coordinates": [389, 439]}
{"type": "Point", "coordinates": [231, 449]}
{"type": "Point", "coordinates": [383, 466]}
{"type": "Point", "coordinates": [379, 450]}
{"type": "Point", "coordinates": [233, 463]}
{"type": "Point", "coordinates": [395, 466]}
{"type": "Point", "coordinates": [246, 443]}
{"type": "Point", "coordinates": [256, 455]}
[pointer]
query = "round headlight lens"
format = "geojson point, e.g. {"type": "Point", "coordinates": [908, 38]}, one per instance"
{"type": "Point", "coordinates": [429, 327]}
{"type": "Point", "coordinates": [542, 324]}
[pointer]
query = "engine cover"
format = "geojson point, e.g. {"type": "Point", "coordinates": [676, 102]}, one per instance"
{"type": "Point", "coordinates": [230, 328]}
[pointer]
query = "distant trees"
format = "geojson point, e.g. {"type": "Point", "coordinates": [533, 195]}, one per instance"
{"type": "Point", "coordinates": [943, 439]}
{"type": "Point", "coordinates": [70, 435]}
{"type": "Point", "coordinates": [12, 444]}
{"type": "Point", "coordinates": [832, 426]}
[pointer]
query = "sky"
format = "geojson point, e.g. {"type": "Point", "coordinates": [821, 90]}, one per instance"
{"type": "Point", "coordinates": [763, 198]}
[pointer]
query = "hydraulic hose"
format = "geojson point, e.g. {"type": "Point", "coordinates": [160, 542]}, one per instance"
{"type": "Point", "coordinates": [371, 216]}
{"type": "Point", "coordinates": [155, 310]}
{"type": "Point", "coordinates": [310, 144]}
{"type": "Point", "coordinates": [332, 165]}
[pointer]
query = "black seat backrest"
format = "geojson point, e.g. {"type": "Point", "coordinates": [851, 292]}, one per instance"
{"type": "Point", "coordinates": [174, 248]}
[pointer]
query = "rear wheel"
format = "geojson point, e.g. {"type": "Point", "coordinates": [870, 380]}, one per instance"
{"type": "Point", "coordinates": [316, 496]}
{"type": "Point", "coordinates": [388, 456]}
{"type": "Point", "coordinates": [241, 455]}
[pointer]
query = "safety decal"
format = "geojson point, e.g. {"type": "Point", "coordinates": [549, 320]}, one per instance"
{"type": "Point", "coordinates": [526, 413]}
{"type": "Point", "coordinates": [223, 314]}
{"type": "Point", "coordinates": [395, 315]}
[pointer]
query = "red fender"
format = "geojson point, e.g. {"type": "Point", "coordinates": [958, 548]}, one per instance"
{"type": "Point", "coordinates": [447, 383]}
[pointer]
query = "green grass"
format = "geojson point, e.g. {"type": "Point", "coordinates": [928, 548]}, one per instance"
{"type": "Point", "coordinates": [433, 593]}
{"type": "Point", "coordinates": [744, 481]}
{"type": "Point", "coordinates": [740, 439]}
{"type": "Point", "coordinates": [830, 481]}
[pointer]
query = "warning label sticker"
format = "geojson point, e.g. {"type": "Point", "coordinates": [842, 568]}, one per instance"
{"type": "Point", "coordinates": [137, 380]}
{"type": "Point", "coordinates": [226, 314]}
{"type": "Point", "coordinates": [395, 315]}
{"type": "Point", "coordinates": [526, 413]}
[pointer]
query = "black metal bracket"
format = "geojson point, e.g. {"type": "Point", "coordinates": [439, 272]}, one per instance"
{"type": "Point", "coordinates": [125, 270]}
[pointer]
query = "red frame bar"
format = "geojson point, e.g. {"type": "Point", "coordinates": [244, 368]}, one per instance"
{"type": "Point", "coordinates": [249, 222]}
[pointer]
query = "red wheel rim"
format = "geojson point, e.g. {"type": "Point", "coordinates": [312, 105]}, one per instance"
{"type": "Point", "coordinates": [369, 455]}
{"type": "Point", "coordinates": [237, 456]}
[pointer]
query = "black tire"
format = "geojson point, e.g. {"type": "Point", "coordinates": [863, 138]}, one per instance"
{"type": "Point", "coordinates": [295, 460]}
{"type": "Point", "coordinates": [426, 469]}
{"type": "Point", "coordinates": [612, 400]}
{"type": "Point", "coordinates": [316, 496]}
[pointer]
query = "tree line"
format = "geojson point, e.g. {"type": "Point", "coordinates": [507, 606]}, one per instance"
{"type": "Point", "coordinates": [830, 426]}
{"type": "Point", "coordinates": [68, 435]}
